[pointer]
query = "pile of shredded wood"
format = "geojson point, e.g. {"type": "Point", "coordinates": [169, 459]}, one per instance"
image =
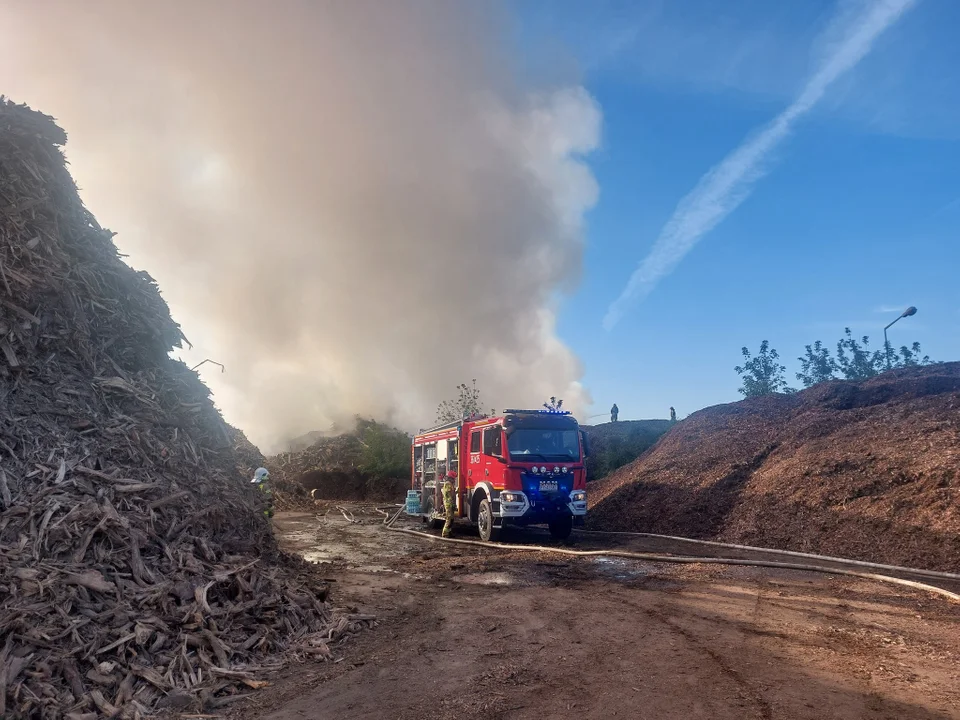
{"type": "Point", "coordinates": [137, 570]}
{"type": "Point", "coordinates": [865, 470]}
{"type": "Point", "coordinates": [330, 468]}
{"type": "Point", "coordinates": [286, 495]}
{"type": "Point", "coordinates": [248, 456]}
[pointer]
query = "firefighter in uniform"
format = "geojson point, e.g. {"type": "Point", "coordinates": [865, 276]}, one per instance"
{"type": "Point", "coordinates": [261, 478]}
{"type": "Point", "coordinates": [449, 503]}
{"type": "Point", "coordinates": [614, 413]}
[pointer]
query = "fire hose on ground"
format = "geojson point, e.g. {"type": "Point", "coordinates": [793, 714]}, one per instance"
{"type": "Point", "coordinates": [691, 560]}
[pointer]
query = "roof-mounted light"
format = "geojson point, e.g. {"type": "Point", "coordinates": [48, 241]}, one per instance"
{"type": "Point", "coordinates": [541, 412]}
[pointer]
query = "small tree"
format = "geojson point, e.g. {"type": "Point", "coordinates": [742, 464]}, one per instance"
{"type": "Point", "coordinates": [553, 404]}
{"type": "Point", "coordinates": [910, 357]}
{"type": "Point", "coordinates": [855, 360]}
{"type": "Point", "coordinates": [386, 451]}
{"type": "Point", "coordinates": [905, 357]}
{"type": "Point", "coordinates": [465, 405]}
{"type": "Point", "coordinates": [763, 374]}
{"type": "Point", "coordinates": [816, 366]}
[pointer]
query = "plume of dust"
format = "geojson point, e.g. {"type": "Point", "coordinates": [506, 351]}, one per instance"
{"type": "Point", "coordinates": [354, 206]}
{"type": "Point", "coordinates": [719, 192]}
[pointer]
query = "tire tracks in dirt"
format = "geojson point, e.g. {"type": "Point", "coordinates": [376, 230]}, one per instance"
{"type": "Point", "coordinates": [467, 634]}
{"type": "Point", "coordinates": [658, 614]}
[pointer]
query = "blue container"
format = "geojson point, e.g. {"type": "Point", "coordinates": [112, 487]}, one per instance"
{"type": "Point", "coordinates": [413, 502]}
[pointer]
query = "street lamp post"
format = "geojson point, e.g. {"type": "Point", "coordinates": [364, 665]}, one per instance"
{"type": "Point", "coordinates": [886, 343]}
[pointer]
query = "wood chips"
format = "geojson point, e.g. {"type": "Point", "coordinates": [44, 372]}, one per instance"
{"type": "Point", "coordinates": [137, 570]}
{"type": "Point", "coordinates": [331, 467]}
{"type": "Point", "coordinates": [865, 470]}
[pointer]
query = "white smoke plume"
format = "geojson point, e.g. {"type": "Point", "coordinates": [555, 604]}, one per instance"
{"type": "Point", "coordinates": [724, 187]}
{"type": "Point", "coordinates": [354, 206]}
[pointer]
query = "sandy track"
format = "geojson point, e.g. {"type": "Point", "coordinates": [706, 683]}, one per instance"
{"type": "Point", "coordinates": [474, 634]}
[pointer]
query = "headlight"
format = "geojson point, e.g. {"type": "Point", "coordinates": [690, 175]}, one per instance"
{"type": "Point", "coordinates": [543, 469]}
{"type": "Point", "coordinates": [565, 470]}
{"type": "Point", "coordinates": [556, 470]}
{"type": "Point", "coordinates": [509, 497]}
{"type": "Point", "coordinates": [578, 496]}
{"type": "Point", "coordinates": [534, 470]}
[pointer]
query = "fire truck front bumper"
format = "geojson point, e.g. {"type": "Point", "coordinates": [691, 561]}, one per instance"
{"type": "Point", "coordinates": [516, 505]}
{"type": "Point", "coordinates": [578, 503]}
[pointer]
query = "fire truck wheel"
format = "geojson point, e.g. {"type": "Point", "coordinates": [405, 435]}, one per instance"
{"type": "Point", "coordinates": [561, 527]}
{"type": "Point", "coordinates": [488, 533]}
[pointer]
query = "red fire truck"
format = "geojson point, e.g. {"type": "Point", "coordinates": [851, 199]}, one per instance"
{"type": "Point", "coordinates": [524, 467]}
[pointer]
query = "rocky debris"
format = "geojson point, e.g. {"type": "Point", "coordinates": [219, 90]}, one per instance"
{"type": "Point", "coordinates": [865, 470]}
{"type": "Point", "coordinates": [137, 570]}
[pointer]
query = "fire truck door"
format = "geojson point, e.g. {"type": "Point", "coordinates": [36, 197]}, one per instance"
{"type": "Point", "coordinates": [475, 471]}
{"type": "Point", "coordinates": [493, 466]}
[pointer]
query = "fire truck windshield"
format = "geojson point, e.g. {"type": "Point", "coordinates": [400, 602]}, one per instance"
{"type": "Point", "coordinates": [555, 445]}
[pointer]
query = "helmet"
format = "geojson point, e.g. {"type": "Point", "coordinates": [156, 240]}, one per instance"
{"type": "Point", "coordinates": [261, 475]}
{"type": "Point", "coordinates": [451, 475]}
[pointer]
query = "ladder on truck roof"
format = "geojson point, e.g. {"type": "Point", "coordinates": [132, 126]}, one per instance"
{"type": "Point", "coordinates": [453, 424]}
{"type": "Point", "coordinates": [442, 426]}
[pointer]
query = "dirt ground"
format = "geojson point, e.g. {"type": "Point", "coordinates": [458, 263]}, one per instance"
{"type": "Point", "coordinates": [477, 633]}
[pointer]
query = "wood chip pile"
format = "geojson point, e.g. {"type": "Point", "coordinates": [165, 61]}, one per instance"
{"type": "Point", "coordinates": [136, 568]}
{"type": "Point", "coordinates": [865, 470]}
{"type": "Point", "coordinates": [248, 456]}
{"type": "Point", "coordinates": [331, 466]}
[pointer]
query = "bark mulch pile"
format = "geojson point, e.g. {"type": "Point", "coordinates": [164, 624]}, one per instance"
{"type": "Point", "coordinates": [137, 570]}
{"type": "Point", "coordinates": [866, 470]}
{"type": "Point", "coordinates": [331, 468]}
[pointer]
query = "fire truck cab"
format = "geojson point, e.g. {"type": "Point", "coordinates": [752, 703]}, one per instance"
{"type": "Point", "coordinates": [524, 467]}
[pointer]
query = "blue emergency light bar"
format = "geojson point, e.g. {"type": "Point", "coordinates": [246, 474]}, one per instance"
{"type": "Point", "coordinates": [541, 412]}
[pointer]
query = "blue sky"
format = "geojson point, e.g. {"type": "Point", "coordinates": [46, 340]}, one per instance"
{"type": "Point", "coordinates": [767, 171]}
{"type": "Point", "coordinates": [857, 216]}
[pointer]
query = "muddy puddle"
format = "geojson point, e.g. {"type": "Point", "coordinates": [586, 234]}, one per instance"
{"type": "Point", "coordinates": [359, 546]}
{"type": "Point", "coordinates": [621, 568]}
{"type": "Point", "coordinates": [488, 578]}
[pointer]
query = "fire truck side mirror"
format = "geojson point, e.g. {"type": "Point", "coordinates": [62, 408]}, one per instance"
{"type": "Point", "coordinates": [586, 443]}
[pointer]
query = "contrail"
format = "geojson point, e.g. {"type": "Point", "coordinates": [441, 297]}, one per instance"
{"type": "Point", "coordinates": [728, 184]}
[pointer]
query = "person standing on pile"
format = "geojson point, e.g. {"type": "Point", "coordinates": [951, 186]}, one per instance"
{"type": "Point", "coordinates": [614, 413]}
{"type": "Point", "coordinates": [261, 478]}
{"type": "Point", "coordinates": [449, 503]}
{"type": "Point", "coordinates": [673, 415]}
